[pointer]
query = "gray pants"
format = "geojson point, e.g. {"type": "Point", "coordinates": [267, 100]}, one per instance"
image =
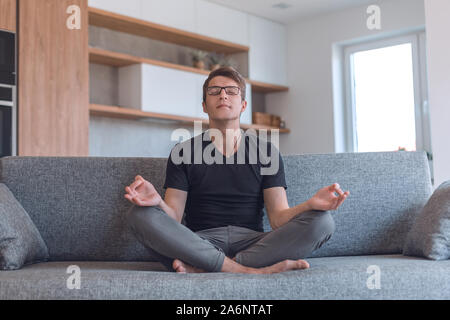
{"type": "Point", "coordinates": [167, 239]}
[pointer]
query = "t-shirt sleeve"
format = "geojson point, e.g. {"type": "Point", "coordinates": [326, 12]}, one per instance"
{"type": "Point", "coordinates": [274, 176]}
{"type": "Point", "coordinates": [176, 176]}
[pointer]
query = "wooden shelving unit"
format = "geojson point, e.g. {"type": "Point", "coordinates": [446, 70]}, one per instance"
{"type": "Point", "coordinates": [122, 23]}
{"type": "Point", "coordinates": [115, 59]}
{"type": "Point", "coordinates": [134, 114]}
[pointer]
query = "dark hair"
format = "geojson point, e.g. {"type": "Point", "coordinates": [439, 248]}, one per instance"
{"type": "Point", "coordinates": [228, 72]}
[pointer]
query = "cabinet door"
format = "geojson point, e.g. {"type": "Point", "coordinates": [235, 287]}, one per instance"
{"type": "Point", "coordinates": [169, 91]}
{"type": "Point", "coordinates": [220, 22]}
{"type": "Point", "coordinates": [267, 56]}
{"type": "Point", "coordinates": [8, 15]}
{"type": "Point", "coordinates": [158, 89]}
{"type": "Point", "coordinates": [173, 13]}
{"type": "Point", "coordinates": [53, 78]}
{"type": "Point", "coordinates": [131, 8]}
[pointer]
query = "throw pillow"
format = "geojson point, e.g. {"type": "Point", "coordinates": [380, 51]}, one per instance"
{"type": "Point", "coordinates": [429, 236]}
{"type": "Point", "coordinates": [20, 241]}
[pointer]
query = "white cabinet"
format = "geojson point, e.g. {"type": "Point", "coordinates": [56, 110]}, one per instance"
{"type": "Point", "coordinates": [268, 51]}
{"type": "Point", "coordinates": [131, 8]}
{"type": "Point", "coordinates": [158, 89]}
{"type": "Point", "coordinates": [173, 13]}
{"type": "Point", "coordinates": [220, 22]}
{"type": "Point", "coordinates": [197, 16]}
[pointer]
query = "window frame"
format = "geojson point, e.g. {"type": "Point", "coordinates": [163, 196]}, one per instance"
{"type": "Point", "coordinates": [417, 40]}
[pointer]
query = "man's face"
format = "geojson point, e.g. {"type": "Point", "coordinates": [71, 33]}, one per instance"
{"type": "Point", "coordinates": [224, 106]}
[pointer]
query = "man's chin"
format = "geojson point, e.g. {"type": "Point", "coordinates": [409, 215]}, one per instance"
{"type": "Point", "coordinates": [224, 119]}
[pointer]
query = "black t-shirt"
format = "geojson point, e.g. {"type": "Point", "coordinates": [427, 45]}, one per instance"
{"type": "Point", "coordinates": [219, 193]}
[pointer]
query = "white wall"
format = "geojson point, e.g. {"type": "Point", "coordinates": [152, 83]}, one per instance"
{"type": "Point", "coordinates": [308, 107]}
{"type": "Point", "coordinates": [437, 14]}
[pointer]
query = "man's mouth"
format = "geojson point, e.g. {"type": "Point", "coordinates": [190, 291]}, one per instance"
{"type": "Point", "coordinates": [223, 105]}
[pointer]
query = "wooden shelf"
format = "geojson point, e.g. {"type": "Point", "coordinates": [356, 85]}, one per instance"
{"type": "Point", "coordinates": [263, 87]}
{"type": "Point", "coordinates": [115, 59]}
{"type": "Point", "coordinates": [122, 23]}
{"type": "Point", "coordinates": [134, 114]}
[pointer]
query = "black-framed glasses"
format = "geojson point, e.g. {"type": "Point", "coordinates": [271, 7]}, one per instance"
{"type": "Point", "coordinates": [230, 90]}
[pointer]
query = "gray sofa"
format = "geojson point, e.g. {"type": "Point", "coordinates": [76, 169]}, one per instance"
{"type": "Point", "coordinates": [77, 205]}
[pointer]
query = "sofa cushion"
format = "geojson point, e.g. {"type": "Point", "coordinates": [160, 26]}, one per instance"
{"type": "Point", "coordinates": [430, 235]}
{"type": "Point", "coordinates": [352, 277]}
{"type": "Point", "coordinates": [20, 241]}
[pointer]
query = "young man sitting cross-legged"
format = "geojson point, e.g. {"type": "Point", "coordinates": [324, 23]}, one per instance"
{"type": "Point", "coordinates": [224, 200]}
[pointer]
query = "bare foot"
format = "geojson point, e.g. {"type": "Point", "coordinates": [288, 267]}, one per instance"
{"type": "Point", "coordinates": [181, 267]}
{"type": "Point", "coordinates": [282, 266]}
{"type": "Point", "coordinates": [230, 265]}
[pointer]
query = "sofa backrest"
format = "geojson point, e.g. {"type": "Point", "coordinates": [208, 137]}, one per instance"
{"type": "Point", "coordinates": [387, 191]}
{"type": "Point", "coordinates": [77, 203]}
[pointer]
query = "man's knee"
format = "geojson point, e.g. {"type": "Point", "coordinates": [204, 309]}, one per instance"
{"type": "Point", "coordinates": [325, 227]}
{"type": "Point", "coordinates": [322, 223]}
{"type": "Point", "coordinates": [138, 216]}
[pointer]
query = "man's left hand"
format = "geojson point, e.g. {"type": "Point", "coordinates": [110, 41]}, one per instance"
{"type": "Point", "coordinates": [325, 199]}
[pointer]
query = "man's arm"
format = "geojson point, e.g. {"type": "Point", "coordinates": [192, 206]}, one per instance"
{"type": "Point", "coordinates": [142, 193]}
{"type": "Point", "coordinates": [174, 203]}
{"type": "Point", "coordinates": [277, 207]}
{"type": "Point", "coordinates": [279, 212]}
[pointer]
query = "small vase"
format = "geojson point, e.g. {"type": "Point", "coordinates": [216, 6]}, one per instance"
{"type": "Point", "coordinates": [199, 65]}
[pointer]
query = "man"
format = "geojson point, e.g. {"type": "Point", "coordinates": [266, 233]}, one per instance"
{"type": "Point", "coordinates": [223, 202]}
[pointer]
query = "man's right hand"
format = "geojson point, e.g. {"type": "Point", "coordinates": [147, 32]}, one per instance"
{"type": "Point", "coordinates": [142, 193]}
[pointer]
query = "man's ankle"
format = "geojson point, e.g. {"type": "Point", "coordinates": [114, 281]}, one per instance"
{"type": "Point", "coordinates": [230, 265]}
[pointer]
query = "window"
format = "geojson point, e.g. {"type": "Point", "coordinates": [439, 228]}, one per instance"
{"type": "Point", "coordinates": [387, 96]}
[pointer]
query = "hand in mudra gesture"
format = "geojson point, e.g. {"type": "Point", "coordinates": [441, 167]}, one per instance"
{"type": "Point", "coordinates": [325, 199]}
{"type": "Point", "coordinates": [142, 193]}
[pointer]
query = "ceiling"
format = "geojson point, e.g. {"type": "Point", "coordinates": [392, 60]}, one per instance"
{"type": "Point", "coordinates": [296, 9]}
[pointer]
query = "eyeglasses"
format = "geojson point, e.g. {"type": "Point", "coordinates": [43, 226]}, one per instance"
{"type": "Point", "coordinates": [215, 91]}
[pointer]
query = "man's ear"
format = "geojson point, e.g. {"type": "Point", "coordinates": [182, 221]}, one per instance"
{"type": "Point", "coordinates": [244, 106]}
{"type": "Point", "coordinates": [204, 107]}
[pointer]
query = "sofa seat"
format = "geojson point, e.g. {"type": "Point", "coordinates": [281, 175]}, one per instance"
{"type": "Point", "coordinates": [345, 277]}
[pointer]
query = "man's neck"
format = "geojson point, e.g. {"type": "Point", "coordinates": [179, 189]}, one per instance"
{"type": "Point", "coordinates": [234, 133]}
{"type": "Point", "coordinates": [223, 125]}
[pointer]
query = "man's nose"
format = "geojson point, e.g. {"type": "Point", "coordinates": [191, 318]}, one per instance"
{"type": "Point", "coordinates": [223, 93]}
